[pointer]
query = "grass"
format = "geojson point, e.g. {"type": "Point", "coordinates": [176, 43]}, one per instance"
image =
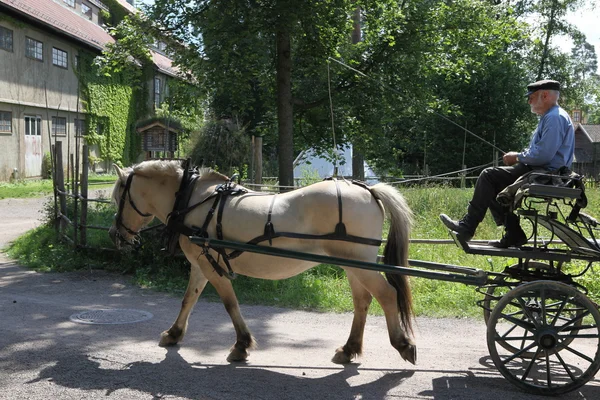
{"type": "Point", "coordinates": [323, 288]}
{"type": "Point", "coordinates": [43, 187]}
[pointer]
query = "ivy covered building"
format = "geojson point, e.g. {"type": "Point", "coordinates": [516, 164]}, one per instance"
{"type": "Point", "coordinates": [50, 89]}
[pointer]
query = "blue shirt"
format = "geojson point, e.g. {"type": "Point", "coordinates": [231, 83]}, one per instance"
{"type": "Point", "coordinates": [552, 143]}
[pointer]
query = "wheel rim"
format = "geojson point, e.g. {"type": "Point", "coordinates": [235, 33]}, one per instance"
{"type": "Point", "coordinates": [497, 290]}
{"type": "Point", "coordinates": [555, 323]}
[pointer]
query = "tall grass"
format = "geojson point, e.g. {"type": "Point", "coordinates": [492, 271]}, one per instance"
{"type": "Point", "coordinates": [322, 288]}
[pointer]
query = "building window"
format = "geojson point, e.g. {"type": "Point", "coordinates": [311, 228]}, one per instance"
{"type": "Point", "coordinates": [6, 39]}
{"type": "Point", "coordinates": [59, 126]}
{"type": "Point", "coordinates": [59, 57]}
{"type": "Point", "coordinates": [86, 10]}
{"type": "Point", "coordinates": [156, 93]}
{"type": "Point", "coordinates": [34, 49]}
{"type": "Point", "coordinates": [5, 121]}
{"type": "Point", "coordinates": [70, 2]}
{"type": "Point", "coordinates": [577, 116]}
{"type": "Point", "coordinates": [33, 125]}
{"type": "Point", "coordinates": [80, 129]}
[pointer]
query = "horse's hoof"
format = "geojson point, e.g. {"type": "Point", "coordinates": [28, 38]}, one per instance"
{"type": "Point", "coordinates": [237, 355]}
{"type": "Point", "coordinates": [341, 357]}
{"type": "Point", "coordinates": [409, 353]}
{"type": "Point", "coordinates": [167, 340]}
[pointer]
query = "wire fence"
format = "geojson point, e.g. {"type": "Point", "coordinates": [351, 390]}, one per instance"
{"type": "Point", "coordinates": [71, 197]}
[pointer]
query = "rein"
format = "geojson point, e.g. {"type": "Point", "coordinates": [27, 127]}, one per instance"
{"type": "Point", "coordinates": [119, 216]}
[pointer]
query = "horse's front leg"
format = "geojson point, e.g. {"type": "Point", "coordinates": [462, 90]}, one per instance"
{"type": "Point", "coordinates": [196, 284]}
{"type": "Point", "coordinates": [362, 300]}
{"type": "Point", "coordinates": [244, 340]}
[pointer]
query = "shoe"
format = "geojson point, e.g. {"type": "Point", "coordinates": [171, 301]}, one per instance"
{"type": "Point", "coordinates": [463, 231]}
{"type": "Point", "coordinates": [514, 238]}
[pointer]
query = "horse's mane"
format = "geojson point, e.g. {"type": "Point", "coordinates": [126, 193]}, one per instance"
{"type": "Point", "coordinates": [166, 168]}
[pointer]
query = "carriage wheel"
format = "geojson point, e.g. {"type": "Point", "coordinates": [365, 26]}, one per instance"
{"type": "Point", "coordinates": [543, 317]}
{"type": "Point", "coordinates": [499, 288]}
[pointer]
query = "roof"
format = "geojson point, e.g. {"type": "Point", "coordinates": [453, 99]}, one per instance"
{"type": "Point", "coordinates": [592, 131]}
{"type": "Point", "coordinates": [61, 19]}
{"type": "Point", "coordinates": [164, 64]}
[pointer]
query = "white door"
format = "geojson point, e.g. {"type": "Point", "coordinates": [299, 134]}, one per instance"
{"type": "Point", "coordinates": [33, 145]}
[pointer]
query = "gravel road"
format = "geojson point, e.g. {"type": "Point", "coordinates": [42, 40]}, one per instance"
{"type": "Point", "coordinates": [46, 355]}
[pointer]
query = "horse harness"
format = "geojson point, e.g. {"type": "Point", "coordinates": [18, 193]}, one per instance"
{"type": "Point", "coordinates": [175, 225]}
{"type": "Point", "coordinates": [119, 215]}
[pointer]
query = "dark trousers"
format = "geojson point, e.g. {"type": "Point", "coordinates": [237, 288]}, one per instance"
{"type": "Point", "coordinates": [492, 181]}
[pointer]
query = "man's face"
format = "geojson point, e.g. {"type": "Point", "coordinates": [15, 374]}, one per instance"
{"type": "Point", "coordinates": [536, 102]}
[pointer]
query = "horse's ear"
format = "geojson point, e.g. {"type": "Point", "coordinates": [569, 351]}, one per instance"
{"type": "Point", "coordinates": [119, 171]}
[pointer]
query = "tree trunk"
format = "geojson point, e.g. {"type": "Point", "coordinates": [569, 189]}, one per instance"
{"type": "Point", "coordinates": [358, 159]}
{"type": "Point", "coordinates": [258, 142]}
{"type": "Point", "coordinates": [549, 30]}
{"type": "Point", "coordinates": [285, 109]}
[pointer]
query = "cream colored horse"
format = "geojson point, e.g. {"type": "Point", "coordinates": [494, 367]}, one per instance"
{"type": "Point", "coordinates": [311, 210]}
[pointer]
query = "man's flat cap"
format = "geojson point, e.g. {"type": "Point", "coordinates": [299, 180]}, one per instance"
{"type": "Point", "coordinates": [546, 84]}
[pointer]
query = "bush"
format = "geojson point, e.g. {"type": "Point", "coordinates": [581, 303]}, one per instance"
{"type": "Point", "coordinates": [47, 166]}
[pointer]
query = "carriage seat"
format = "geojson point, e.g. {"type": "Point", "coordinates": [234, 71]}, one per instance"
{"type": "Point", "coordinates": [553, 192]}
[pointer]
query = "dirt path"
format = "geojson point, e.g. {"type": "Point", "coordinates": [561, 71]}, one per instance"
{"type": "Point", "coordinates": [44, 354]}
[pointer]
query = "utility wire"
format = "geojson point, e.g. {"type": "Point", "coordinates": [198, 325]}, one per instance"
{"type": "Point", "coordinates": [430, 110]}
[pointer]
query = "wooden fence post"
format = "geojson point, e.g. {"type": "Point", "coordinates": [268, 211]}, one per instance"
{"type": "Point", "coordinates": [463, 177]}
{"type": "Point", "coordinates": [60, 186]}
{"type": "Point", "coordinates": [84, 196]}
{"type": "Point", "coordinates": [74, 192]}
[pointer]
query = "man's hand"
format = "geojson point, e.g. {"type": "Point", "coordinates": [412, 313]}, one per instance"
{"type": "Point", "coordinates": [510, 158]}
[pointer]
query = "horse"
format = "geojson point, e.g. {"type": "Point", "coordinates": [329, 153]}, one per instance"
{"type": "Point", "coordinates": [311, 211]}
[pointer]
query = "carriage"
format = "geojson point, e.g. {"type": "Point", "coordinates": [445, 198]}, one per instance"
{"type": "Point", "coordinates": [543, 331]}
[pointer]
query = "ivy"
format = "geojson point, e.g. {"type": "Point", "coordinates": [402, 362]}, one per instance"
{"type": "Point", "coordinates": [114, 103]}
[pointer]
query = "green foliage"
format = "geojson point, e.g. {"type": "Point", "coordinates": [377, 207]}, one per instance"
{"type": "Point", "coordinates": [222, 145]}
{"type": "Point", "coordinates": [47, 166]}
{"type": "Point", "coordinates": [114, 102]}
{"type": "Point", "coordinates": [322, 288]}
{"type": "Point", "coordinates": [25, 189]}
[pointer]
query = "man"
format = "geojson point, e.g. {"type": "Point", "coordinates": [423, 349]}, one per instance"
{"type": "Point", "coordinates": [551, 147]}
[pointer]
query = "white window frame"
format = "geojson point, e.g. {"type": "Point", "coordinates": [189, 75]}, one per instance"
{"type": "Point", "coordinates": [6, 39]}
{"type": "Point", "coordinates": [5, 122]}
{"type": "Point", "coordinates": [70, 3]}
{"type": "Point", "coordinates": [34, 49]}
{"type": "Point", "coordinates": [60, 58]}
{"type": "Point", "coordinates": [33, 125]}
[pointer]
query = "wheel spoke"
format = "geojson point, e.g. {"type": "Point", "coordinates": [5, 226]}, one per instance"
{"type": "Point", "coordinates": [565, 366]}
{"type": "Point", "coordinates": [578, 317]}
{"type": "Point", "coordinates": [518, 353]}
{"type": "Point", "coordinates": [576, 336]}
{"type": "Point", "coordinates": [577, 353]}
{"type": "Point", "coordinates": [527, 313]}
{"type": "Point", "coordinates": [531, 364]}
{"type": "Point", "coordinates": [543, 305]}
{"type": "Point", "coordinates": [519, 322]}
{"type": "Point", "coordinates": [560, 308]}
{"type": "Point", "coordinates": [579, 328]}
{"type": "Point", "coordinates": [511, 338]}
{"type": "Point", "coordinates": [548, 374]}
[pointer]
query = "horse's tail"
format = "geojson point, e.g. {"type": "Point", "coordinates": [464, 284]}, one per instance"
{"type": "Point", "coordinates": [396, 248]}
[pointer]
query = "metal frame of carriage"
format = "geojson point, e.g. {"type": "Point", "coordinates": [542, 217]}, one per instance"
{"type": "Point", "coordinates": [538, 317]}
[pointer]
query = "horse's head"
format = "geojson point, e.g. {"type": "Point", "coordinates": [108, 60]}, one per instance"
{"type": "Point", "coordinates": [129, 218]}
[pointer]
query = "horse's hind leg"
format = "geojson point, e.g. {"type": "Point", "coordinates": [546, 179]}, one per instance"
{"type": "Point", "coordinates": [387, 296]}
{"type": "Point", "coordinates": [362, 299]}
{"type": "Point", "coordinates": [196, 284]}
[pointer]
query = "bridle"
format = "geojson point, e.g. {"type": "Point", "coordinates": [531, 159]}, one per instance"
{"type": "Point", "coordinates": [119, 215]}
